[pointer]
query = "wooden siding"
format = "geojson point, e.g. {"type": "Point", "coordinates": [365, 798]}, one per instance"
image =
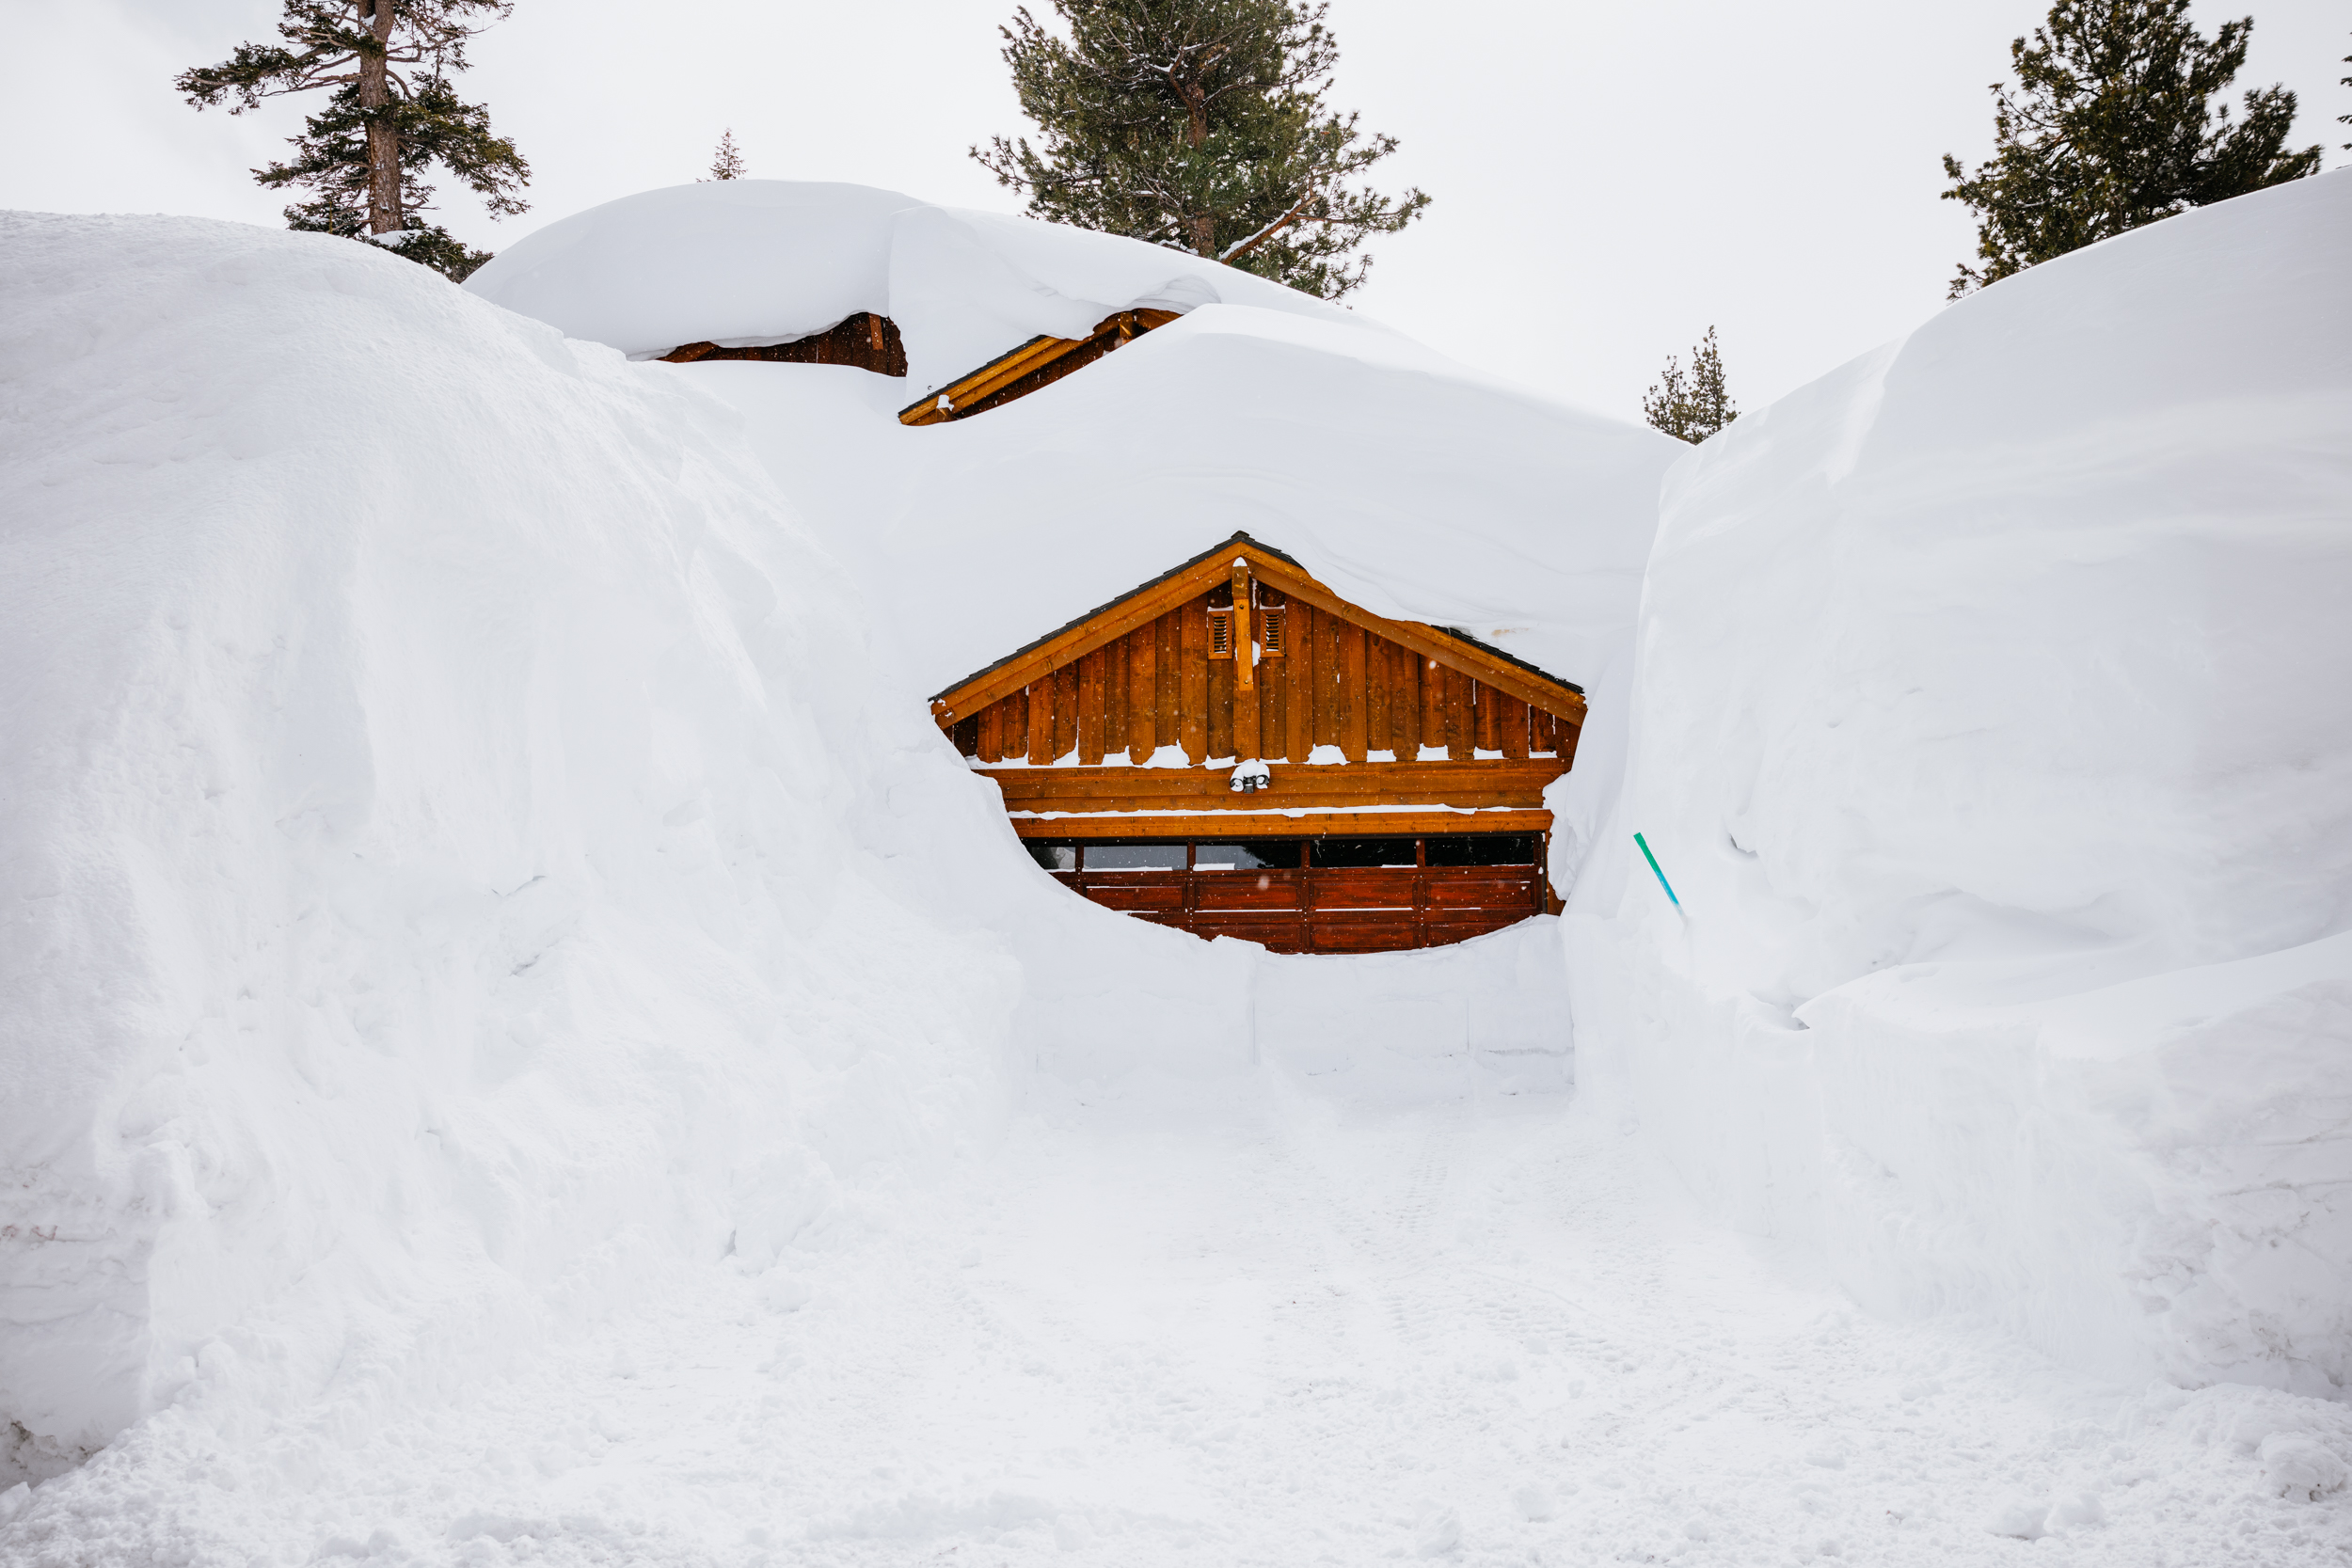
{"type": "Point", "coordinates": [1278, 577]}
{"type": "Point", "coordinates": [1334, 822]}
{"type": "Point", "coordinates": [1340, 685]}
{"type": "Point", "coordinates": [1473, 786]}
{"type": "Point", "coordinates": [1130, 723]}
{"type": "Point", "coordinates": [864, 341]}
{"type": "Point", "coordinates": [1325, 911]}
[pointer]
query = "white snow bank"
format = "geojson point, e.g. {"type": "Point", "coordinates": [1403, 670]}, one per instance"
{"type": "Point", "coordinates": [1483, 1018]}
{"type": "Point", "coordinates": [430, 758]}
{"type": "Point", "coordinates": [1986, 723]}
{"type": "Point", "coordinates": [1412, 486]}
{"type": "Point", "coordinates": [470, 850]}
{"type": "Point", "coordinates": [459, 859]}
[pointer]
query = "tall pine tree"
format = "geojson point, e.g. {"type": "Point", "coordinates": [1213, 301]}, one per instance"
{"type": "Point", "coordinates": [2112, 124]}
{"type": "Point", "coordinates": [391, 114]}
{"type": "Point", "coordinates": [1690, 407]}
{"type": "Point", "coordinates": [1199, 125]}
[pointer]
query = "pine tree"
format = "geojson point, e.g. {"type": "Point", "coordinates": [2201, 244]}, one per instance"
{"type": "Point", "coordinates": [2111, 126]}
{"type": "Point", "coordinates": [391, 114]}
{"type": "Point", "coordinates": [2345, 120]}
{"type": "Point", "coordinates": [1199, 125]}
{"type": "Point", "coordinates": [725, 164]}
{"type": "Point", "coordinates": [1692, 407]}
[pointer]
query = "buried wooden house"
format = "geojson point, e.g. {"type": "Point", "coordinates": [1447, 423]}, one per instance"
{"type": "Point", "coordinates": [1233, 749]}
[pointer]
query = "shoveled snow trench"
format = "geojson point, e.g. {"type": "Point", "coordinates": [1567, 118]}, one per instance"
{"type": "Point", "coordinates": [1484, 1333]}
{"type": "Point", "coordinates": [524, 1045]}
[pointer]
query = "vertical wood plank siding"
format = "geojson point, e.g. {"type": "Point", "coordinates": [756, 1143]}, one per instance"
{"type": "Point", "coordinates": [1142, 694]}
{"type": "Point", "coordinates": [1303, 682]}
{"type": "Point", "coordinates": [1115, 698]}
{"type": "Point", "coordinates": [1065, 711]}
{"type": "Point", "coordinates": [1220, 722]}
{"type": "Point", "coordinates": [1405, 704]}
{"type": "Point", "coordinates": [1245, 708]}
{"type": "Point", "coordinates": [1167, 726]}
{"type": "Point", "coordinates": [1192, 679]}
{"type": "Point", "coordinates": [1041, 696]}
{"type": "Point", "coordinates": [1355, 716]}
{"type": "Point", "coordinates": [1273, 688]}
{"type": "Point", "coordinates": [1336, 685]}
{"type": "Point", "coordinates": [1090, 709]}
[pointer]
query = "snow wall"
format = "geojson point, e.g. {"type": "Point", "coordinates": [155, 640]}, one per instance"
{"type": "Point", "coordinates": [1990, 724]}
{"type": "Point", "coordinates": [1418, 486]}
{"type": "Point", "coordinates": [474, 841]}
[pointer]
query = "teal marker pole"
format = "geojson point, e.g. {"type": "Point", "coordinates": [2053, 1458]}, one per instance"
{"type": "Point", "coordinates": [1655, 872]}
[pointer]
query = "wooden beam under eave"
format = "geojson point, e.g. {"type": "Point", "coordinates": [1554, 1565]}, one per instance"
{"type": "Point", "coordinates": [1334, 784]}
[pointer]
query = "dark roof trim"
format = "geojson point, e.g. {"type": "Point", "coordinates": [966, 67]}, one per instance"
{"type": "Point", "coordinates": [1460, 636]}
{"type": "Point", "coordinates": [1239, 537]}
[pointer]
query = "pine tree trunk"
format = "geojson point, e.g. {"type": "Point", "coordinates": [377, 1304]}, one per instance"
{"type": "Point", "coordinates": [375, 92]}
{"type": "Point", "coordinates": [1200, 228]}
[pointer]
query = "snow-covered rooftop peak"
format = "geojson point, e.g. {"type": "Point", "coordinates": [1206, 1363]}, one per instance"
{"type": "Point", "coordinates": [766, 261]}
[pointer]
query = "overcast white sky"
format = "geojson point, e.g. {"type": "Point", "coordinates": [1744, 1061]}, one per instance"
{"type": "Point", "coordinates": [1611, 177]}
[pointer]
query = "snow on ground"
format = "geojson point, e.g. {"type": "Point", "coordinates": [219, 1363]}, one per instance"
{"type": "Point", "coordinates": [459, 855]}
{"type": "Point", "coordinates": [526, 1046]}
{"type": "Point", "coordinates": [1134, 1334]}
{"type": "Point", "coordinates": [1989, 726]}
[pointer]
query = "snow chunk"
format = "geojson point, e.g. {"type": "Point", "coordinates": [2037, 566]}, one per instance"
{"type": "Point", "coordinates": [2300, 1468]}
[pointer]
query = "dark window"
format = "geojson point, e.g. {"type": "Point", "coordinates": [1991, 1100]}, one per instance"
{"type": "Point", "coordinates": [1484, 849]}
{"type": "Point", "coordinates": [1338, 853]}
{"type": "Point", "coordinates": [1135, 856]}
{"type": "Point", "coordinates": [1053, 856]}
{"type": "Point", "coordinates": [1249, 855]}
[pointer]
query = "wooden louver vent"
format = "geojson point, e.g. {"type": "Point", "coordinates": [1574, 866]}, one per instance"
{"type": "Point", "coordinates": [1221, 632]}
{"type": "Point", "coordinates": [1272, 641]}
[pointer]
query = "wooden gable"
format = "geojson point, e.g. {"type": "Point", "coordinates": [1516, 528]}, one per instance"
{"type": "Point", "coordinates": [1131, 721]}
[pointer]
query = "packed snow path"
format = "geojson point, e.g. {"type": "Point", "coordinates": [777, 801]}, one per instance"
{"type": "Point", "coordinates": [1479, 1333]}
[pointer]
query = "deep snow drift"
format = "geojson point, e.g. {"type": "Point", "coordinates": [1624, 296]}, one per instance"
{"type": "Point", "coordinates": [1135, 1338]}
{"type": "Point", "coordinates": [526, 1045]}
{"type": "Point", "coordinates": [459, 848]}
{"type": "Point", "coordinates": [1989, 725]}
{"type": "Point", "coordinates": [468, 838]}
{"type": "Point", "coordinates": [431, 894]}
{"type": "Point", "coordinates": [1416, 486]}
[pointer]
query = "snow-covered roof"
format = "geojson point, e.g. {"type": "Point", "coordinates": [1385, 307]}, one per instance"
{"type": "Point", "coordinates": [1414, 486]}
{"type": "Point", "coordinates": [747, 261]}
